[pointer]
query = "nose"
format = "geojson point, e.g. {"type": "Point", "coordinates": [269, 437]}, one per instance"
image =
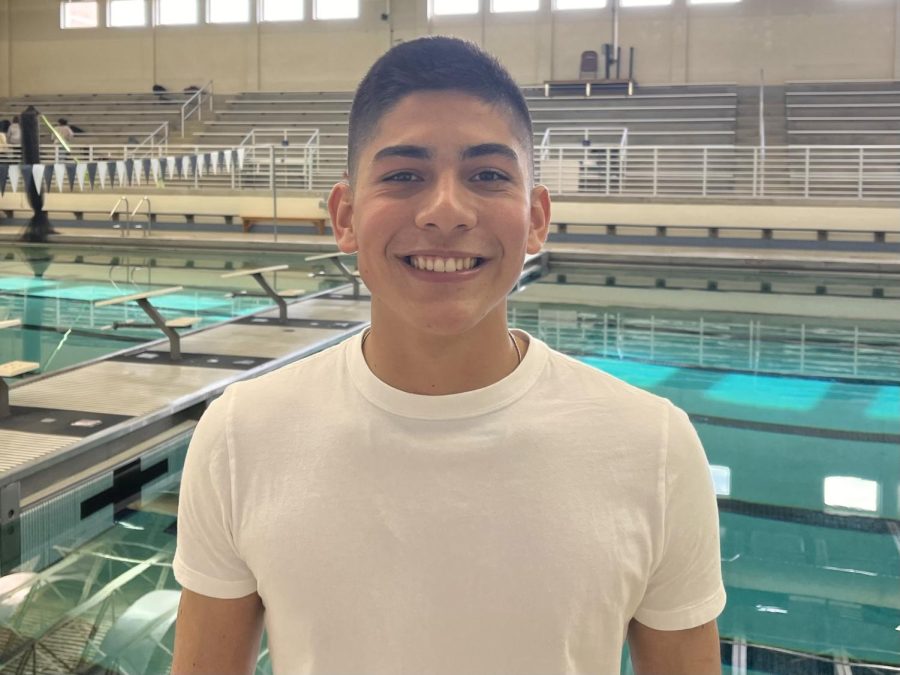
{"type": "Point", "coordinates": [446, 205]}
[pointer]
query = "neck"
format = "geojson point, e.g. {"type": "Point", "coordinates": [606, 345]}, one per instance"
{"type": "Point", "coordinates": [421, 362]}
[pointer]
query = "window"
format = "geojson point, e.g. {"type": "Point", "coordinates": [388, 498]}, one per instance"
{"type": "Point", "coordinates": [78, 15]}
{"type": "Point", "coordinates": [580, 4]}
{"type": "Point", "coordinates": [445, 7]}
{"type": "Point", "coordinates": [337, 9]}
{"type": "Point", "coordinates": [281, 10]}
{"type": "Point", "coordinates": [228, 11]}
{"type": "Point", "coordinates": [851, 493]}
{"type": "Point", "coordinates": [712, 2]}
{"type": "Point", "coordinates": [514, 5]}
{"type": "Point", "coordinates": [124, 13]}
{"type": "Point", "coordinates": [645, 3]}
{"type": "Point", "coordinates": [177, 12]}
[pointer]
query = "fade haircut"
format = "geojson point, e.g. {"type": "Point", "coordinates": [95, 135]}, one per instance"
{"type": "Point", "coordinates": [432, 64]}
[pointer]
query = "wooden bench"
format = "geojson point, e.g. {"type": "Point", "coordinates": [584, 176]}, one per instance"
{"type": "Point", "coordinates": [250, 221]}
{"type": "Point", "coordinates": [169, 328]}
{"type": "Point", "coordinates": [12, 369]}
{"type": "Point", "coordinates": [277, 296]}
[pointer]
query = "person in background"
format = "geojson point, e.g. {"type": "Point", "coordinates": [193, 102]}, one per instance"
{"type": "Point", "coordinates": [64, 130]}
{"type": "Point", "coordinates": [14, 133]}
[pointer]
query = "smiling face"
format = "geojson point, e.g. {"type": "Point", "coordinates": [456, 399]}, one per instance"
{"type": "Point", "coordinates": [441, 212]}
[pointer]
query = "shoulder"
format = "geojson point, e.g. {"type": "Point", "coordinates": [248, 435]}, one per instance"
{"type": "Point", "coordinates": [586, 380]}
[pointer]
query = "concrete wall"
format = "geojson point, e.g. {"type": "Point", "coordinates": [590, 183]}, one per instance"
{"type": "Point", "coordinates": [6, 66]}
{"type": "Point", "coordinates": [789, 39]}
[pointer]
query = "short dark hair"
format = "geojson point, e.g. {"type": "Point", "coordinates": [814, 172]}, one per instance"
{"type": "Point", "coordinates": [429, 64]}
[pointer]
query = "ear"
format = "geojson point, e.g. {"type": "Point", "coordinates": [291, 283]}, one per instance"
{"type": "Point", "coordinates": [340, 208]}
{"type": "Point", "coordinates": [540, 218]}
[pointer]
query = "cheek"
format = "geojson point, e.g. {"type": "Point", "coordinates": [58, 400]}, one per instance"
{"type": "Point", "coordinates": [381, 223]}
{"type": "Point", "coordinates": [514, 223]}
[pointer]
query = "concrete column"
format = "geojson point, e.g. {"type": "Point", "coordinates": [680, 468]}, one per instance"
{"type": "Point", "coordinates": [546, 46]}
{"type": "Point", "coordinates": [5, 49]}
{"type": "Point", "coordinates": [896, 69]}
{"type": "Point", "coordinates": [254, 65]}
{"type": "Point", "coordinates": [680, 30]}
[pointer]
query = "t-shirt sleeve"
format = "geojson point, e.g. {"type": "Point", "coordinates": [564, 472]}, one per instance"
{"type": "Point", "coordinates": [206, 558]}
{"type": "Point", "coordinates": [685, 588]}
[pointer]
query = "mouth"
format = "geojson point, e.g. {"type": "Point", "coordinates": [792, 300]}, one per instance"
{"type": "Point", "coordinates": [429, 263]}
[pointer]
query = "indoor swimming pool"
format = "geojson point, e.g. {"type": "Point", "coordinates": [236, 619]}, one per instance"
{"type": "Point", "coordinates": [53, 292]}
{"type": "Point", "coordinates": [795, 394]}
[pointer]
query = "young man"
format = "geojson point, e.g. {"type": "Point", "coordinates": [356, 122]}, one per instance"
{"type": "Point", "coordinates": [439, 494]}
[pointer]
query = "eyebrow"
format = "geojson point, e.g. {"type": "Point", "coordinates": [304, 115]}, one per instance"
{"type": "Point", "coordinates": [421, 152]}
{"type": "Point", "coordinates": [484, 149]}
{"type": "Point", "coordinates": [408, 151]}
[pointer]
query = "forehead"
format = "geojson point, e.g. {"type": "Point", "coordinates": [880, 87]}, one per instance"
{"type": "Point", "coordinates": [449, 118]}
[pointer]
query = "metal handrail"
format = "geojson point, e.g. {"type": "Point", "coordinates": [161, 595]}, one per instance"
{"type": "Point", "coordinates": [137, 208]}
{"type": "Point", "coordinates": [547, 138]}
{"type": "Point", "coordinates": [114, 211]}
{"type": "Point", "coordinates": [163, 131]}
{"type": "Point", "coordinates": [197, 98]}
{"type": "Point", "coordinates": [733, 172]}
{"type": "Point", "coordinates": [312, 157]}
{"type": "Point", "coordinates": [762, 113]}
{"type": "Point", "coordinates": [249, 139]}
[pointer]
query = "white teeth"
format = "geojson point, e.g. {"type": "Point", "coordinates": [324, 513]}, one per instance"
{"type": "Point", "coordinates": [421, 262]}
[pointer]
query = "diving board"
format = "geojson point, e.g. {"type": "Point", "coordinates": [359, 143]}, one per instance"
{"type": "Point", "coordinates": [12, 369]}
{"type": "Point", "coordinates": [168, 327]}
{"type": "Point", "coordinates": [278, 297]}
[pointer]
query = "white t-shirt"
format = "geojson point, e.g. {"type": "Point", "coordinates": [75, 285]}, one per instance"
{"type": "Point", "coordinates": [513, 529]}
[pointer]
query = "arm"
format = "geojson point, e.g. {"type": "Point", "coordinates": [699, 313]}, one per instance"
{"type": "Point", "coordinates": [217, 636]}
{"type": "Point", "coordinates": [694, 651]}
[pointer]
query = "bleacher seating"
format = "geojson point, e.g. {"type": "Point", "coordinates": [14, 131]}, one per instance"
{"type": "Point", "coordinates": [843, 113]}
{"type": "Point", "coordinates": [654, 116]}
{"type": "Point", "coordinates": [657, 115]}
{"type": "Point", "coordinates": [107, 119]}
{"type": "Point", "coordinates": [293, 112]}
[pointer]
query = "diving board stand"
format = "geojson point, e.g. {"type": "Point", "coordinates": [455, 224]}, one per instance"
{"type": "Point", "coordinates": [278, 297]}
{"type": "Point", "coordinates": [12, 369]}
{"type": "Point", "coordinates": [169, 328]}
{"type": "Point", "coordinates": [346, 272]}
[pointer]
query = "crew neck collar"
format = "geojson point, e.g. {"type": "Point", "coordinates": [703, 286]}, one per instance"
{"type": "Point", "coordinates": [449, 406]}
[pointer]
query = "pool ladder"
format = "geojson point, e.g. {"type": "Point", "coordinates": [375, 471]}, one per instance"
{"type": "Point", "coordinates": [129, 216]}
{"type": "Point", "coordinates": [114, 213]}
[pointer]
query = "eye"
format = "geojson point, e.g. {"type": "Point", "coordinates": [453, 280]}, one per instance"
{"type": "Point", "coordinates": [401, 177]}
{"type": "Point", "coordinates": [489, 175]}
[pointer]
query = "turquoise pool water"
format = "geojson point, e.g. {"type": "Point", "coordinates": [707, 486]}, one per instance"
{"type": "Point", "coordinates": [53, 292]}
